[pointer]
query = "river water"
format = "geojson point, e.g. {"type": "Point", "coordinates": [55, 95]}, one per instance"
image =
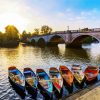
{"type": "Point", "coordinates": [35, 57]}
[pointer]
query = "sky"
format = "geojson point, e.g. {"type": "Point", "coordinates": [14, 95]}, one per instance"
{"type": "Point", "coordinates": [58, 14]}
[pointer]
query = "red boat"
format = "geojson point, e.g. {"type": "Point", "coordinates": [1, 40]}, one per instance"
{"type": "Point", "coordinates": [67, 75]}
{"type": "Point", "coordinates": [91, 73]}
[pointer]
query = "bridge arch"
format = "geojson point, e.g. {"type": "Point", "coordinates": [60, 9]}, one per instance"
{"type": "Point", "coordinates": [33, 42]}
{"type": "Point", "coordinates": [41, 42]}
{"type": "Point", "coordinates": [81, 39]}
{"type": "Point", "coordinates": [55, 40]}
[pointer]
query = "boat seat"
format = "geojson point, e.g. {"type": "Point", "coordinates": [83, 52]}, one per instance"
{"type": "Point", "coordinates": [65, 75]}
{"type": "Point", "coordinates": [27, 72]}
{"type": "Point", "coordinates": [45, 80]}
{"type": "Point", "coordinates": [17, 79]}
{"type": "Point", "coordinates": [17, 75]}
{"type": "Point", "coordinates": [56, 78]}
{"type": "Point", "coordinates": [44, 83]}
{"type": "Point", "coordinates": [30, 80]}
{"type": "Point", "coordinates": [12, 71]}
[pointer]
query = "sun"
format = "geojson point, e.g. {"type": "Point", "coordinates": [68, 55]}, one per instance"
{"type": "Point", "coordinates": [12, 19]}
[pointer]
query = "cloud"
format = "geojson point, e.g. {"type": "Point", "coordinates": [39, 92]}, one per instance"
{"type": "Point", "coordinates": [76, 19]}
{"type": "Point", "coordinates": [56, 13]}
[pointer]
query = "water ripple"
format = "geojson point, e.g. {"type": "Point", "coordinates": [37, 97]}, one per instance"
{"type": "Point", "coordinates": [34, 57]}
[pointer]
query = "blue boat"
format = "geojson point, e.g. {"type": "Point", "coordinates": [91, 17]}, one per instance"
{"type": "Point", "coordinates": [16, 78]}
{"type": "Point", "coordinates": [31, 81]}
{"type": "Point", "coordinates": [45, 85]}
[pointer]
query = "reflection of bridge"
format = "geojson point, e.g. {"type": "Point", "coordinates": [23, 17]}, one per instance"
{"type": "Point", "coordinates": [70, 39]}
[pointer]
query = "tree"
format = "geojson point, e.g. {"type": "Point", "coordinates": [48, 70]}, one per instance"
{"type": "Point", "coordinates": [46, 29]}
{"type": "Point", "coordinates": [25, 36]}
{"type": "Point", "coordinates": [11, 33]}
{"type": "Point", "coordinates": [1, 38]}
{"type": "Point", "coordinates": [36, 32]}
{"type": "Point", "coordinates": [10, 37]}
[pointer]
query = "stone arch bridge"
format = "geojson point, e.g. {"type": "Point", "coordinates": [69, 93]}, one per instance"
{"type": "Point", "coordinates": [71, 39]}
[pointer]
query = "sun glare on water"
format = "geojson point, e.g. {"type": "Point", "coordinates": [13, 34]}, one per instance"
{"type": "Point", "coordinates": [12, 19]}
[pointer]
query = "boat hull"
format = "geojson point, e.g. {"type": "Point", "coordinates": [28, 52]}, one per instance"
{"type": "Point", "coordinates": [17, 86]}
{"type": "Point", "coordinates": [57, 93]}
{"type": "Point", "coordinates": [91, 74]}
{"type": "Point", "coordinates": [16, 78]}
{"type": "Point", "coordinates": [79, 77]}
{"type": "Point", "coordinates": [66, 74]}
{"type": "Point", "coordinates": [79, 85]}
{"type": "Point", "coordinates": [45, 85]}
{"type": "Point", "coordinates": [57, 81]}
{"type": "Point", "coordinates": [31, 90]}
{"type": "Point", "coordinates": [45, 93]}
{"type": "Point", "coordinates": [31, 85]}
{"type": "Point", "coordinates": [69, 87]}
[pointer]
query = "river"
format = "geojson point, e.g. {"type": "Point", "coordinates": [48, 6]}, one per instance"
{"type": "Point", "coordinates": [35, 57]}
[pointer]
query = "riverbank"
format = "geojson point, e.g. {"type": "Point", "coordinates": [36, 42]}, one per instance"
{"type": "Point", "coordinates": [90, 93]}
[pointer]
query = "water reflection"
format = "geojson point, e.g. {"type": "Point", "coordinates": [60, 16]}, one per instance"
{"type": "Point", "coordinates": [35, 57]}
{"type": "Point", "coordinates": [93, 52]}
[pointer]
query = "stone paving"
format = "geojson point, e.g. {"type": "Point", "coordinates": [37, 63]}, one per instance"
{"type": "Point", "coordinates": [90, 93]}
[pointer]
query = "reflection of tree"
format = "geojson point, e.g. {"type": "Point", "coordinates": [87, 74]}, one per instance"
{"type": "Point", "coordinates": [47, 51]}
{"type": "Point", "coordinates": [68, 53]}
{"type": "Point", "coordinates": [54, 51]}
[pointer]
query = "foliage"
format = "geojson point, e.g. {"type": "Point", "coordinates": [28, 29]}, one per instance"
{"type": "Point", "coordinates": [36, 32]}
{"type": "Point", "coordinates": [10, 37]}
{"type": "Point", "coordinates": [89, 40]}
{"type": "Point", "coordinates": [46, 29]}
{"type": "Point", "coordinates": [25, 36]}
{"type": "Point", "coordinates": [1, 37]}
{"type": "Point", "coordinates": [11, 33]}
{"type": "Point", "coordinates": [43, 30]}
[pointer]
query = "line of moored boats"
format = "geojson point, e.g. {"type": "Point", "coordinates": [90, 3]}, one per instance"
{"type": "Point", "coordinates": [48, 84]}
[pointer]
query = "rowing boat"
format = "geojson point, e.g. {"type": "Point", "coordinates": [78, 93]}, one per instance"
{"type": "Point", "coordinates": [31, 81]}
{"type": "Point", "coordinates": [67, 76]}
{"type": "Point", "coordinates": [78, 74]}
{"type": "Point", "coordinates": [45, 85]}
{"type": "Point", "coordinates": [56, 79]}
{"type": "Point", "coordinates": [17, 78]}
{"type": "Point", "coordinates": [91, 73]}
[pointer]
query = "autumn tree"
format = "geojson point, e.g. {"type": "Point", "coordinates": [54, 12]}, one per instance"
{"type": "Point", "coordinates": [46, 29]}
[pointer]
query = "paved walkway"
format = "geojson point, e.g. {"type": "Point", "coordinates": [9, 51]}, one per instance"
{"type": "Point", "coordinates": [90, 93]}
